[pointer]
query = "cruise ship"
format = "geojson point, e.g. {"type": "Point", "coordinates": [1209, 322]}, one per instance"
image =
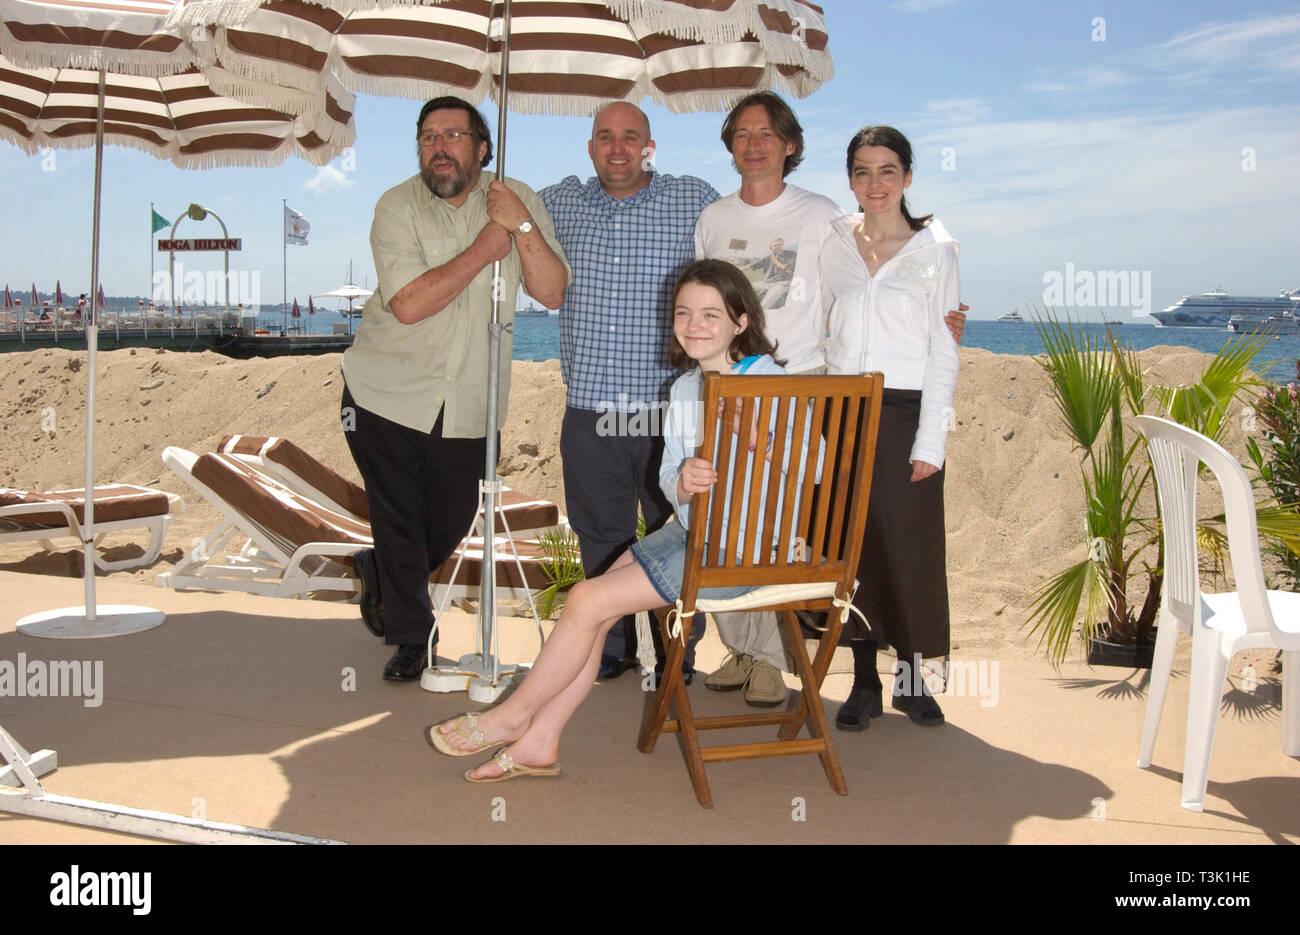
{"type": "Point", "coordinates": [1215, 309]}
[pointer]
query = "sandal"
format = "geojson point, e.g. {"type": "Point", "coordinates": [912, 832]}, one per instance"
{"type": "Point", "coordinates": [922, 709]}
{"type": "Point", "coordinates": [512, 770]}
{"type": "Point", "coordinates": [862, 705]}
{"type": "Point", "coordinates": [466, 726]}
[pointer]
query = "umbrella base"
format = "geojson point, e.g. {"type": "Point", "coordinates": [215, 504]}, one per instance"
{"type": "Point", "coordinates": [472, 674]}
{"type": "Point", "coordinates": [71, 623]}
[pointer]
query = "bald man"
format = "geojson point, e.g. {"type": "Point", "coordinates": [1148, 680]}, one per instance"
{"type": "Point", "coordinates": [628, 233]}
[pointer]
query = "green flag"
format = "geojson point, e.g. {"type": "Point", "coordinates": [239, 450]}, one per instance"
{"type": "Point", "coordinates": [159, 222]}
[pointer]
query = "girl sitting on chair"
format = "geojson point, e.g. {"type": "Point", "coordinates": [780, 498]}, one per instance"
{"type": "Point", "coordinates": [717, 326]}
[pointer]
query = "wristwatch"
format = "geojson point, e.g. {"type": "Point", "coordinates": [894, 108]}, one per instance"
{"type": "Point", "coordinates": [525, 228]}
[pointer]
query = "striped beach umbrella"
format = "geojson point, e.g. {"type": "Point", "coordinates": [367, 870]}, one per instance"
{"type": "Point", "coordinates": [166, 91]}
{"type": "Point", "coordinates": [565, 58]}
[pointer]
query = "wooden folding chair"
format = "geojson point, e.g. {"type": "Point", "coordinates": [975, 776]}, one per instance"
{"type": "Point", "coordinates": [817, 536]}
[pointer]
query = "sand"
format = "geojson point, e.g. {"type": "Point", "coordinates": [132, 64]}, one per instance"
{"type": "Point", "coordinates": [1013, 491]}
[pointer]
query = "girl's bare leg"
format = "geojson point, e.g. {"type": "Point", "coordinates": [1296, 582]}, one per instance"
{"type": "Point", "coordinates": [566, 667]}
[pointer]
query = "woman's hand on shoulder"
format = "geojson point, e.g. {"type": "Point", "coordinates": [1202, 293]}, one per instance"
{"type": "Point", "coordinates": [922, 469]}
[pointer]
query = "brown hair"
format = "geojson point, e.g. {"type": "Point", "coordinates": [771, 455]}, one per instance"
{"type": "Point", "coordinates": [738, 298]}
{"type": "Point", "coordinates": [784, 124]}
{"type": "Point", "coordinates": [894, 141]}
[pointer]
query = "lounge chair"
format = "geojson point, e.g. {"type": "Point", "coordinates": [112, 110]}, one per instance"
{"type": "Point", "coordinates": [527, 517]}
{"type": "Point", "coordinates": [27, 516]}
{"type": "Point", "coordinates": [294, 545]}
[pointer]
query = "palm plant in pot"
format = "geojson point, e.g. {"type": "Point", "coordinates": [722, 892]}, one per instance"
{"type": "Point", "coordinates": [1096, 382]}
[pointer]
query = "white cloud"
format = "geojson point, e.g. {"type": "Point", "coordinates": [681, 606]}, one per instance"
{"type": "Point", "coordinates": [1220, 42]}
{"type": "Point", "coordinates": [327, 178]}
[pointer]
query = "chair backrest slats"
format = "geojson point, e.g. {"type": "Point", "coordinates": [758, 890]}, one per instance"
{"type": "Point", "coordinates": [761, 464]}
{"type": "Point", "coordinates": [776, 463]}
{"type": "Point", "coordinates": [715, 438]}
{"type": "Point", "coordinates": [835, 407]}
{"type": "Point", "coordinates": [821, 434]}
{"type": "Point", "coordinates": [740, 441]}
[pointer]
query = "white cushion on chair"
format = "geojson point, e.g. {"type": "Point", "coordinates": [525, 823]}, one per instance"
{"type": "Point", "coordinates": [769, 595]}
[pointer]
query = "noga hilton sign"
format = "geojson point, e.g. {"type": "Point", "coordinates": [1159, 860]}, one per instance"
{"type": "Point", "coordinates": [215, 243]}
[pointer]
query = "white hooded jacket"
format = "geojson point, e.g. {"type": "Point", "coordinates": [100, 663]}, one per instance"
{"type": "Point", "coordinates": [893, 321]}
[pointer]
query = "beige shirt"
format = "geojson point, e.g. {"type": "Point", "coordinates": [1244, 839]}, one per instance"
{"type": "Point", "coordinates": [408, 373]}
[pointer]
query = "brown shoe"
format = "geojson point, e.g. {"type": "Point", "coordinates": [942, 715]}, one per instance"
{"type": "Point", "coordinates": [732, 674]}
{"type": "Point", "coordinates": [765, 688]}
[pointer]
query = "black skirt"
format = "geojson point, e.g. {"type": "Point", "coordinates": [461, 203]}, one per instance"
{"type": "Point", "coordinates": [902, 574]}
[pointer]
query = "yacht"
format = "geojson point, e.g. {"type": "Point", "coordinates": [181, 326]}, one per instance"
{"type": "Point", "coordinates": [1285, 324]}
{"type": "Point", "coordinates": [1216, 309]}
{"type": "Point", "coordinates": [1013, 317]}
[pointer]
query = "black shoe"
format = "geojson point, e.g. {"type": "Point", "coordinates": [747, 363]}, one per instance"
{"type": "Point", "coordinates": [922, 709]}
{"type": "Point", "coordinates": [861, 706]}
{"type": "Point", "coordinates": [611, 667]}
{"type": "Point", "coordinates": [407, 663]}
{"type": "Point", "coordinates": [372, 611]}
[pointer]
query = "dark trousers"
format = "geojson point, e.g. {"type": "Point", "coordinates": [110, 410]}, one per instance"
{"type": "Point", "coordinates": [606, 476]}
{"type": "Point", "coordinates": [422, 491]}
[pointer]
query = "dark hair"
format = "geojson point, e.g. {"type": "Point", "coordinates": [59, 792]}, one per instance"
{"type": "Point", "coordinates": [784, 124]}
{"type": "Point", "coordinates": [892, 140]}
{"type": "Point", "coordinates": [738, 298]}
{"type": "Point", "coordinates": [478, 127]}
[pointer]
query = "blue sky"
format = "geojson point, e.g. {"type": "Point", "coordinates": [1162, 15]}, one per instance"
{"type": "Point", "coordinates": [1172, 147]}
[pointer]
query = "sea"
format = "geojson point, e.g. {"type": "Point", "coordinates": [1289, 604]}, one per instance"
{"type": "Point", "coordinates": [538, 338]}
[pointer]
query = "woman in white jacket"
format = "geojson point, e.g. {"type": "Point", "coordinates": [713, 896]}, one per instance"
{"type": "Point", "coordinates": [887, 278]}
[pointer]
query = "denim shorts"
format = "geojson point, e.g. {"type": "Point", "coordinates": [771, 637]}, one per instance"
{"type": "Point", "coordinates": [662, 556]}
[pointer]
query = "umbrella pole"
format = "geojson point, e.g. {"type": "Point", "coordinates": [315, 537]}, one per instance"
{"type": "Point", "coordinates": [89, 621]}
{"type": "Point", "coordinates": [92, 347]}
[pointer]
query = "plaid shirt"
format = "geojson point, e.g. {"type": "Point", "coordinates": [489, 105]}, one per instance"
{"type": "Point", "coordinates": [626, 254]}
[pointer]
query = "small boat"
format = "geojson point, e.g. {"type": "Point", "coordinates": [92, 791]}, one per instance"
{"type": "Point", "coordinates": [1013, 317]}
{"type": "Point", "coordinates": [350, 291]}
{"type": "Point", "coordinates": [1277, 325]}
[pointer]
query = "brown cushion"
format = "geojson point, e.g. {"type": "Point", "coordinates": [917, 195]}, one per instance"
{"type": "Point", "coordinates": [274, 507]}
{"type": "Point", "coordinates": [507, 574]}
{"type": "Point", "coordinates": [113, 502]}
{"type": "Point", "coordinates": [281, 451]}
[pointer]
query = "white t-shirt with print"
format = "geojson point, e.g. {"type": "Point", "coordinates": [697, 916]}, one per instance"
{"type": "Point", "coordinates": [776, 246]}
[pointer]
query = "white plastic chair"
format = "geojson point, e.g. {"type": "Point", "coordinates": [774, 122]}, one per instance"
{"type": "Point", "coordinates": [1251, 617]}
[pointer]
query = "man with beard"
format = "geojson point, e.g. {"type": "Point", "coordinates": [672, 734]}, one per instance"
{"type": "Point", "coordinates": [414, 407]}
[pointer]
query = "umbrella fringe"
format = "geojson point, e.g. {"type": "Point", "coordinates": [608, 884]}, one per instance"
{"type": "Point", "coordinates": [712, 27]}
{"type": "Point", "coordinates": [284, 75]}
{"type": "Point", "coordinates": [88, 58]}
{"type": "Point", "coordinates": [27, 144]}
{"type": "Point", "coordinates": [412, 88]}
{"type": "Point", "coordinates": [254, 91]}
{"type": "Point", "coordinates": [211, 12]}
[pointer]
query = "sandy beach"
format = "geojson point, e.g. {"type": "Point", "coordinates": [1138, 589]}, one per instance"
{"type": "Point", "coordinates": [1013, 495]}
{"type": "Point", "coordinates": [1013, 499]}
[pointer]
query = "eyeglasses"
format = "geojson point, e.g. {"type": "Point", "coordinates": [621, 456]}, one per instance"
{"type": "Point", "coordinates": [450, 137]}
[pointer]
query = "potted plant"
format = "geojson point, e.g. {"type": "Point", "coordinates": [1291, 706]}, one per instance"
{"type": "Point", "coordinates": [1096, 383]}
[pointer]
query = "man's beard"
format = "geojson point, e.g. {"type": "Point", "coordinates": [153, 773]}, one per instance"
{"type": "Point", "coordinates": [445, 186]}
